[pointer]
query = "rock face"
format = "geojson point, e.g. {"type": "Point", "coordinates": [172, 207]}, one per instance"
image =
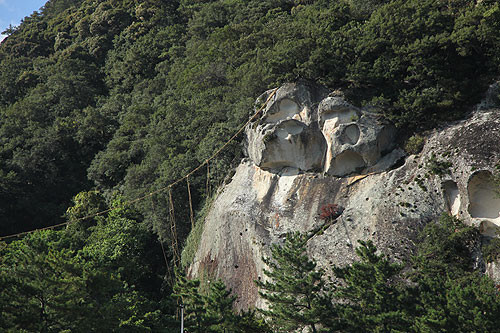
{"type": "Point", "coordinates": [308, 150]}
{"type": "Point", "coordinates": [304, 128]}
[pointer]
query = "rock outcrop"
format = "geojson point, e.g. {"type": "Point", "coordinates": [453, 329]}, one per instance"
{"type": "Point", "coordinates": [304, 128]}
{"type": "Point", "coordinates": [310, 149]}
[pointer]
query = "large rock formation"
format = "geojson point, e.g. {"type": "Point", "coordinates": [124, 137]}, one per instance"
{"type": "Point", "coordinates": [309, 149]}
{"type": "Point", "coordinates": [304, 128]}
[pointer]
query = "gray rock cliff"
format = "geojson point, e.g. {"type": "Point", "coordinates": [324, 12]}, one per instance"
{"type": "Point", "coordinates": [310, 149]}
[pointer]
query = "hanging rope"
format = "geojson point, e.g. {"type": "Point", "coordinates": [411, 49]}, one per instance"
{"type": "Point", "coordinates": [216, 173]}
{"type": "Point", "coordinates": [208, 179]}
{"type": "Point", "coordinates": [175, 182]}
{"type": "Point", "coordinates": [169, 273]}
{"type": "Point", "coordinates": [173, 229]}
{"type": "Point", "coordinates": [191, 213]}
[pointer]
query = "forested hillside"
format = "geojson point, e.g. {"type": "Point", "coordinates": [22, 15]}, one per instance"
{"type": "Point", "coordinates": [104, 102]}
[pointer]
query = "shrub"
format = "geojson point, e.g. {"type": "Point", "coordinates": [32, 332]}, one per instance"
{"type": "Point", "coordinates": [415, 144]}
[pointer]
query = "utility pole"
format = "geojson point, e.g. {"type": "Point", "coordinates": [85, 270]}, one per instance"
{"type": "Point", "coordinates": [182, 318]}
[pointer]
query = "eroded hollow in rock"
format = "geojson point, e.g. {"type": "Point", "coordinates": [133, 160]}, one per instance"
{"type": "Point", "coordinates": [347, 162]}
{"type": "Point", "coordinates": [452, 196]}
{"type": "Point", "coordinates": [385, 139]}
{"type": "Point", "coordinates": [286, 109]}
{"type": "Point", "coordinates": [289, 128]}
{"type": "Point", "coordinates": [338, 117]}
{"type": "Point", "coordinates": [351, 134]}
{"type": "Point", "coordinates": [291, 143]}
{"type": "Point", "coordinates": [484, 201]}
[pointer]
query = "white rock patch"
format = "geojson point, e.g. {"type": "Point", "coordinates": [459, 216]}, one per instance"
{"type": "Point", "coordinates": [452, 196]}
{"type": "Point", "coordinates": [484, 201]}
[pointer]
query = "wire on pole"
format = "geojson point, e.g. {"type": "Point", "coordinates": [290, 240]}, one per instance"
{"type": "Point", "coordinates": [167, 187]}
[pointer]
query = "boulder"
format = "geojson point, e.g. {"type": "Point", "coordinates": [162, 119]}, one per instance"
{"type": "Point", "coordinates": [383, 201]}
{"type": "Point", "coordinates": [304, 128]}
{"type": "Point", "coordinates": [286, 134]}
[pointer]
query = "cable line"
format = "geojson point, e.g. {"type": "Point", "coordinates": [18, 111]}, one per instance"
{"type": "Point", "coordinates": [167, 187]}
{"type": "Point", "coordinates": [173, 229]}
{"type": "Point", "coordinates": [191, 213]}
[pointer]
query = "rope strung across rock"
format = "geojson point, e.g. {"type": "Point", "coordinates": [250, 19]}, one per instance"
{"type": "Point", "coordinates": [217, 152]}
{"type": "Point", "coordinates": [208, 178]}
{"type": "Point", "coordinates": [173, 229]}
{"type": "Point", "coordinates": [169, 275]}
{"type": "Point", "coordinates": [191, 213]}
{"type": "Point", "coordinates": [170, 278]}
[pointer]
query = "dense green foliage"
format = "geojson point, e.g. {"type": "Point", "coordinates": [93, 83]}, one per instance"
{"type": "Point", "coordinates": [295, 288]}
{"type": "Point", "coordinates": [118, 98]}
{"type": "Point", "coordinates": [129, 95]}
{"type": "Point", "coordinates": [106, 278]}
{"type": "Point", "coordinates": [452, 295]}
{"type": "Point", "coordinates": [213, 311]}
{"type": "Point", "coordinates": [375, 301]}
{"type": "Point", "coordinates": [439, 291]}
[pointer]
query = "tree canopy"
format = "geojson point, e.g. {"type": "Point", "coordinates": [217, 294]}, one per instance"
{"type": "Point", "coordinates": [104, 102]}
{"type": "Point", "coordinates": [128, 95]}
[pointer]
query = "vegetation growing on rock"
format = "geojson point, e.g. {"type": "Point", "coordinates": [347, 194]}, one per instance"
{"type": "Point", "coordinates": [436, 290]}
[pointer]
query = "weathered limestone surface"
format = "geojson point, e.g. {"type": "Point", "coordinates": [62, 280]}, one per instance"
{"type": "Point", "coordinates": [384, 201]}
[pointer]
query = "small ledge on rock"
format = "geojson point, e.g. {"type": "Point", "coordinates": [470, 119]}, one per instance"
{"type": "Point", "coordinates": [488, 228]}
{"type": "Point", "coordinates": [337, 109]}
{"type": "Point", "coordinates": [288, 128]}
{"type": "Point", "coordinates": [286, 110]}
{"type": "Point", "coordinates": [391, 160]}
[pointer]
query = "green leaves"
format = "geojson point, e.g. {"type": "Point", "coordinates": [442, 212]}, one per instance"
{"type": "Point", "coordinates": [294, 287]}
{"type": "Point", "coordinates": [437, 291]}
{"type": "Point", "coordinates": [374, 298]}
{"type": "Point", "coordinates": [130, 94]}
{"type": "Point", "coordinates": [212, 312]}
{"type": "Point", "coordinates": [108, 276]}
{"type": "Point", "coordinates": [43, 286]}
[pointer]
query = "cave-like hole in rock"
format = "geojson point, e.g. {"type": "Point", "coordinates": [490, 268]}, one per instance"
{"type": "Point", "coordinates": [452, 196]}
{"type": "Point", "coordinates": [385, 140]}
{"type": "Point", "coordinates": [286, 109]}
{"type": "Point", "coordinates": [484, 201]}
{"type": "Point", "coordinates": [288, 128]}
{"type": "Point", "coordinates": [347, 162]}
{"type": "Point", "coordinates": [289, 106]}
{"type": "Point", "coordinates": [351, 134]}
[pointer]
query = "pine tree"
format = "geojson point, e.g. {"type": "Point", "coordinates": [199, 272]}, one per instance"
{"type": "Point", "coordinates": [372, 300]}
{"type": "Point", "coordinates": [44, 288]}
{"type": "Point", "coordinates": [213, 312]}
{"type": "Point", "coordinates": [219, 309]}
{"type": "Point", "coordinates": [295, 288]}
{"type": "Point", "coordinates": [450, 296]}
{"type": "Point", "coordinates": [187, 290]}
